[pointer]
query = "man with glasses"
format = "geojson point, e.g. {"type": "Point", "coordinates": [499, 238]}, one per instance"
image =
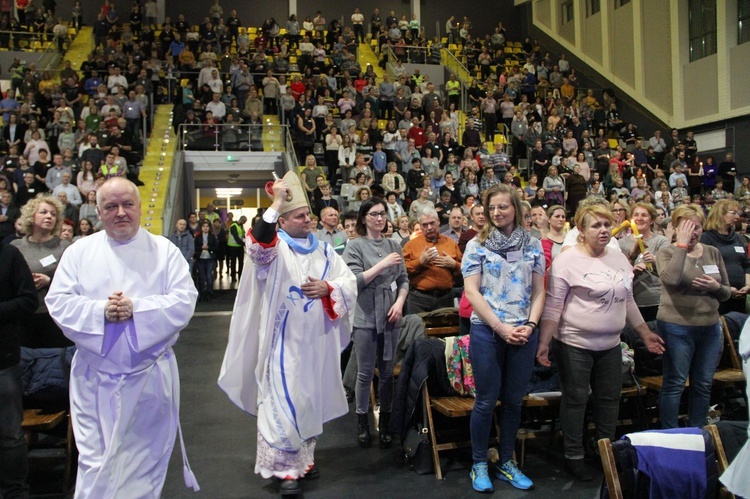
{"type": "Point", "coordinates": [433, 262]}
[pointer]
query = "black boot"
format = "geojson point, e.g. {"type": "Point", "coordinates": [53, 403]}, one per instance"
{"type": "Point", "coordinates": [578, 470]}
{"type": "Point", "coordinates": [385, 434]}
{"type": "Point", "coordinates": [363, 430]}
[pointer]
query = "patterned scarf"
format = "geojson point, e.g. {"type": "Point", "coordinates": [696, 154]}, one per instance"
{"type": "Point", "coordinates": [499, 243]}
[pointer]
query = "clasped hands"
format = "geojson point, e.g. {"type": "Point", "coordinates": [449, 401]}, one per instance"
{"type": "Point", "coordinates": [431, 255]}
{"type": "Point", "coordinates": [119, 308]}
{"type": "Point", "coordinates": [513, 335]}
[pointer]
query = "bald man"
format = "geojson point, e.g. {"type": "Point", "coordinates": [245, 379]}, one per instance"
{"type": "Point", "coordinates": [123, 295]}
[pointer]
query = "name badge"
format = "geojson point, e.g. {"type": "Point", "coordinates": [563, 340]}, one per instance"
{"type": "Point", "coordinates": [514, 256]}
{"type": "Point", "coordinates": [711, 269]}
{"type": "Point", "coordinates": [739, 249]}
{"type": "Point", "coordinates": [48, 260]}
{"type": "Point", "coordinates": [394, 287]}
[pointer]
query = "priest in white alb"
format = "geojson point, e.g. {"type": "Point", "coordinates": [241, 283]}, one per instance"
{"type": "Point", "coordinates": [123, 296]}
{"type": "Point", "coordinates": [292, 317]}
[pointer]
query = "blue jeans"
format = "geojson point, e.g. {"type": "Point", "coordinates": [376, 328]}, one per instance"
{"type": "Point", "coordinates": [501, 372]}
{"type": "Point", "coordinates": [13, 464]}
{"type": "Point", "coordinates": [205, 271]}
{"type": "Point", "coordinates": [690, 351]}
{"type": "Point", "coordinates": [580, 369]}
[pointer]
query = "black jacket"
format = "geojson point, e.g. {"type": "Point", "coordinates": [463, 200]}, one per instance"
{"type": "Point", "coordinates": [424, 363]}
{"type": "Point", "coordinates": [213, 245]}
{"type": "Point", "coordinates": [18, 298]}
{"type": "Point", "coordinates": [8, 227]}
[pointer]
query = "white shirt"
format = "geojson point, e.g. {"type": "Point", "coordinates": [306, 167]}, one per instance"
{"type": "Point", "coordinates": [114, 80]}
{"type": "Point", "coordinates": [219, 109]}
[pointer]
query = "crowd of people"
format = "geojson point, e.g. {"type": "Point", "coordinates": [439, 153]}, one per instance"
{"type": "Point", "coordinates": [420, 219]}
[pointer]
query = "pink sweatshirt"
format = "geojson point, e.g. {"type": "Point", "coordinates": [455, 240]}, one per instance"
{"type": "Point", "coordinates": [590, 299]}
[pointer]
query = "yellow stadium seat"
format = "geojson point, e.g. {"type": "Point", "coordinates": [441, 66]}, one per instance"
{"type": "Point", "coordinates": [252, 30]}
{"type": "Point", "coordinates": [613, 143]}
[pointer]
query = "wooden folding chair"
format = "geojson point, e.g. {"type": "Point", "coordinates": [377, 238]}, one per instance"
{"type": "Point", "coordinates": [613, 476]}
{"type": "Point", "coordinates": [443, 439]}
{"type": "Point", "coordinates": [36, 421]}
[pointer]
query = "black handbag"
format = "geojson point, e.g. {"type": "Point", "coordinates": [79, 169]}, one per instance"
{"type": "Point", "coordinates": [418, 451]}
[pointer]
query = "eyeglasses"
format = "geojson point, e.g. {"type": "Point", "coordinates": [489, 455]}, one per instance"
{"type": "Point", "coordinates": [732, 212]}
{"type": "Point", "coordinates": [618, 210]}
{"type": "Point", "coordinates": [376, 214]}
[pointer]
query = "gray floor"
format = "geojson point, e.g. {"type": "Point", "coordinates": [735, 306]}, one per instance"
{"type": "Point", "coordinates": [220, 442]}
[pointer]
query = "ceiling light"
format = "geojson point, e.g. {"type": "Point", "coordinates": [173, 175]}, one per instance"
{"type": "Point", "coordinates": [222, 193]}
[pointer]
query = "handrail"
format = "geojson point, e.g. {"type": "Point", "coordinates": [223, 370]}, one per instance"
{"type": "Point", "coordinates": [461, 72]}
{"type": "Point", "coordinates": [290, 141]}
{"type": "Point", "coordinates": [48, 57]}
{"type": "Point", "coordinates": [245, 138]}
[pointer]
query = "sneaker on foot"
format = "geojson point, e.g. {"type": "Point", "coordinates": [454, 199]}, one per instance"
{"type": "Point", "coordinates": [480, 479]}
{"type": "Point", "coordinates": [510, 473]}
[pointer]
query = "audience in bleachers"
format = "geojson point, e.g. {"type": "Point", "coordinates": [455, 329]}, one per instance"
{"type": "Point", "coordinates": [362, 135]}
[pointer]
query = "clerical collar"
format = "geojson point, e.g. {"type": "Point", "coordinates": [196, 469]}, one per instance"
{"type": "Point", "coordinates": [296, 244]}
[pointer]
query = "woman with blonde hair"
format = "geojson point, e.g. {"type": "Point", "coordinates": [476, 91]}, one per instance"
{"type": "Point", "coordinates": [646, 284]}
{"type": "Point", "coordinates": [554, 187]}
{"type": "Point", "coordinates": [584, 333]}
{"type": "Point", "coordinates": [42, 249]}
{"type": "Point", "coordinates": [401, 228]}
{"type": "Point", "coordinates": [360, 196]}
{"type": "Point", "coordinates": [621, 212]}
{"type": "Point", "coordinates": [502, 340]}
{"type": "Point", "coordinates": [719, 232]}
{"type": "Point", "coordinates": [694, 282]}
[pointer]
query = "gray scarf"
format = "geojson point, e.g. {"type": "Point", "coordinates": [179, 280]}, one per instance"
{"type": "Point", "coordinates": [499, 243]}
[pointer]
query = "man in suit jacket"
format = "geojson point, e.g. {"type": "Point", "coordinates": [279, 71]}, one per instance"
{"type": "Point", "coordinates": [8, 214]}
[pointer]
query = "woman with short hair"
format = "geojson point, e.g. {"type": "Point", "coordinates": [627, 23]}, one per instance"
{"type": "Point", "coordinates": [42, 249]}
{"type": "Point", "coordinates": [719, 232]}
{"type": "Point", "coordinates": [589, 300]}
{"type": "Point", "coordinates": [694, 282]}
{"type": "Point", "coordinates": [383, 284]}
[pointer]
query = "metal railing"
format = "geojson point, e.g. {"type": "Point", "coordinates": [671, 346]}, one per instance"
{"type": "Point", "coordinates": [291, 150]}
{"type": "Point", "coordinates": [235, 137]}
{"type": "Point", "coordinates": [461, 72]}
